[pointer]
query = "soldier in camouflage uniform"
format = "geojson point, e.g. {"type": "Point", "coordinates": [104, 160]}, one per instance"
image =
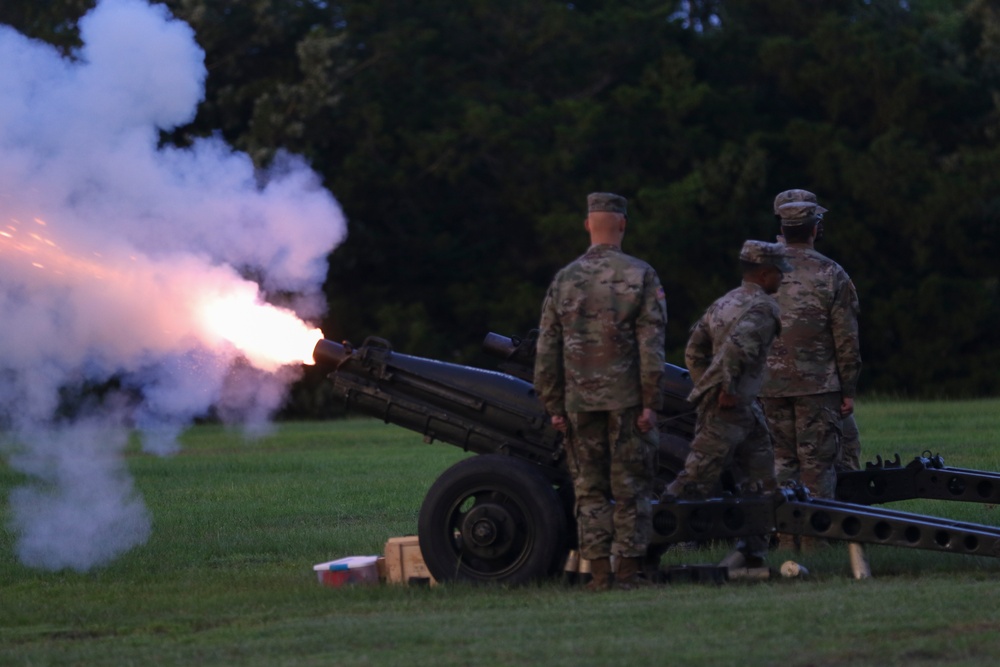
{"type": "Point", "coordinates": [814, 368]}
{"type": "Point", "coordinates": [598, 371]}
{"type": "Point", "coordinates": [850, 440]}
{"type": "Point", "coordinates": [726, 355]}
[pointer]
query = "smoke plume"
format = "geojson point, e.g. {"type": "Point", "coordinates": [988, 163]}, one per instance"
{"type": "Point", "coordinates": [122, 298]}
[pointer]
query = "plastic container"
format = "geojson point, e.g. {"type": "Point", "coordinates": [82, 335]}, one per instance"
{"type": "Point", "coordinates": [350, 570]}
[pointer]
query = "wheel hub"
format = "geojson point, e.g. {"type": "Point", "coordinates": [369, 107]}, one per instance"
{"type": "Point", "coordinates": [487, 530]}
{"type": "Point", "coordinates": [483, 533]}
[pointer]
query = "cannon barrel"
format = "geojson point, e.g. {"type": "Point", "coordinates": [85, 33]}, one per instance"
{"type": "Point", "coordinates": [676, 380]}
{"type": "Point", "coordinates": [676, 417]}
{"type": "Point", "coordinates": [479, 410]}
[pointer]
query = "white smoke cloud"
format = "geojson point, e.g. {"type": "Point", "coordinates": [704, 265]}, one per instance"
{"type": "Point", "coordinates": [82, 508]}
{"type": "Point", "coordinates": [111, 248]}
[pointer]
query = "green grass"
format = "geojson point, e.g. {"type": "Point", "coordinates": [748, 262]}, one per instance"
{"type": "Point", "coordinates": [226, 578]}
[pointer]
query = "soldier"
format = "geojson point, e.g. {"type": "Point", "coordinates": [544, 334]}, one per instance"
{"type": "Point", "coordinates": [814, 368]}
{"type": "Point", "coordinates": [726, 355]}
{"type": "Point", "coordinates": [598, 370]}
{"type": "Point", "coordinates": [850, 440]}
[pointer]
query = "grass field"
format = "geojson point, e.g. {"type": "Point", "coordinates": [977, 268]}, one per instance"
{"type": "Point", "coordinates": [226, 578]}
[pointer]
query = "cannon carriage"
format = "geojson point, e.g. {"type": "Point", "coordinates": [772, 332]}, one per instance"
{"type": "Point", "coordinates": [506, 514]}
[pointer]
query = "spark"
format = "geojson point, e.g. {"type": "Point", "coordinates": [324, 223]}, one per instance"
{"type": "Point", "coordinates": [233, 312]}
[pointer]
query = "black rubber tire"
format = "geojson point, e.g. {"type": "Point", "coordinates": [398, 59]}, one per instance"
{"type": "Point", "coordinates": [493, 518]}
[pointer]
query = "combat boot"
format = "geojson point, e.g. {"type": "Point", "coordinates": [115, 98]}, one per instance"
{"type": "Point", "coordinates": [600, 572]}
{"type": "Point", "coordinates": [630, 574]}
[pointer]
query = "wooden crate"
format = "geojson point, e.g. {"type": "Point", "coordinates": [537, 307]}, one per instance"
{"type": "Point", "coordinates": [404, 563]}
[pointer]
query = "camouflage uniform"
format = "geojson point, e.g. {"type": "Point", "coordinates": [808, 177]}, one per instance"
{"type": "Point", "coordinates": [599, 362]}
{"type": "Point", "coordinates": [850, 444]}
{"type": "Point", "coordinates": [814, 365]}
{"type": "Point", "coordinates": [727, 350]}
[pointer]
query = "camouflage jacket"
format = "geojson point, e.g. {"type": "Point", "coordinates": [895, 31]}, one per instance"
{"type": "Point", "coordinates": [728, 346]}
{"type": "Point", "coordinates": [819, 350]}
{"type": "Point", "coordinates": [601, 344]}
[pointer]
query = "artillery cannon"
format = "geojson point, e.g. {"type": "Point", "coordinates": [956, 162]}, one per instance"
{"type": "Point", "coordinates": [506, 515]}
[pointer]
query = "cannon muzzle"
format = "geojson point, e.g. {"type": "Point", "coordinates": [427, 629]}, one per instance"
{"type": "Point", "coordinates": [328, 353]}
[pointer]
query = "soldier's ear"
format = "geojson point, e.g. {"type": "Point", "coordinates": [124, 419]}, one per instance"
{"type": "Point", "coordinates": [586, 223]}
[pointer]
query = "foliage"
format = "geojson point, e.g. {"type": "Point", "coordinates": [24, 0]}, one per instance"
{"type": "Point", "coordinates": [53, 21]}
{"type": "Point", "coordinates": [462, 138]}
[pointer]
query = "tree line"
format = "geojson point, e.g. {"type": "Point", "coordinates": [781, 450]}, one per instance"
{"type": "Point", "coordinates": [461, 139]}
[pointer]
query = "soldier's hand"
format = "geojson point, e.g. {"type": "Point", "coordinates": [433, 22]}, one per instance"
{"type": "Point", "coordinates": [727, 400]}
{"type": "Point", "coordinates": [846, 406]}
{"type": "Point", "coordinates": [559, 422]}
{"type": "Point", "coordinates": [646, 420]}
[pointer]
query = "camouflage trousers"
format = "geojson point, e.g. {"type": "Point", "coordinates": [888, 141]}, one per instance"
{"type": "Point", "coordinates": [807, 440]}
{"type": "Point", "coordinates": [731, 440]}
{"type": "Point", "coordinates": [726, 439]}
{"type": "Point", "coordinates": [850, 445]}
{"type": "Point", "coordinates": [612, 467]}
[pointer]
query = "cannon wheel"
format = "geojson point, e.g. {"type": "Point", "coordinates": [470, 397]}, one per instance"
{"type": "Point", "coordinates": [492, 518]}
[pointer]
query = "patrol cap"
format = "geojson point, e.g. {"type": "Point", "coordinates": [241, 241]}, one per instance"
{"type": "Point", "coordinates": [607, 202]}
{"type": "Point", "coordinates": [789, 196]}
{"type": "Point", "coordinates": [762, 252]}
{"type": "Point", "coordinates": [797, 213]}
